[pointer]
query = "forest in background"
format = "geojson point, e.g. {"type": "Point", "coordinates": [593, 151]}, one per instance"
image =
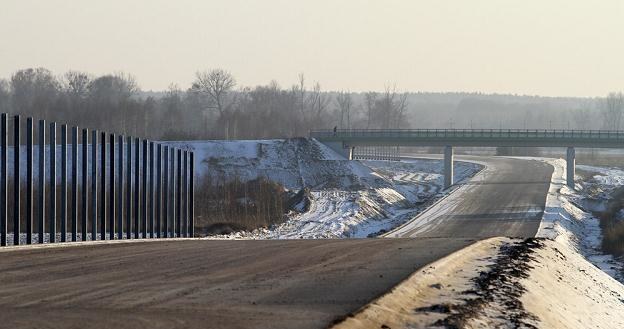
{"type": "Point", "coordinates": [214, 106]}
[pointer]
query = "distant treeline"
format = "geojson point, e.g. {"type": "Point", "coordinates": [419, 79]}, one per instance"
{"type": "Point", "coordinates": [215, 107]}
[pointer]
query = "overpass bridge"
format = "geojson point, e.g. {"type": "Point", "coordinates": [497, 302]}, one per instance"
{"type": "Point", "coordinates": [344, 141]}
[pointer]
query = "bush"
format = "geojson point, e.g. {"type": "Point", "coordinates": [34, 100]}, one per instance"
{"type": "Point", "coordinates": [222, 207]}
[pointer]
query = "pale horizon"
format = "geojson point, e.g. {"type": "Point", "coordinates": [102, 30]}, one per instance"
{"type": "Point", "coordinates": [558, 48]}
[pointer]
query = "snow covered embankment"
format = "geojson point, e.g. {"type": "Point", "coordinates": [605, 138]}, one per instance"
{"type": "Point", "coordinates": [348, 198]}
{"type": "Point", "coordinates": [500, 283]}
{"type": "Point", "coordinates": [571, 226]}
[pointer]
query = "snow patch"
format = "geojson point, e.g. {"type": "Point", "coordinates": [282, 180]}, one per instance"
{"type": "Point", "coordinates": [569, 225]}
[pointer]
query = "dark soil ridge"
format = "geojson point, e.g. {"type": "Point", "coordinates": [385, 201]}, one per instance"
{"type": "Point", "coordinates": [498, 287]}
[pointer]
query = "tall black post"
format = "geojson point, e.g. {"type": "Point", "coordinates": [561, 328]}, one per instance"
{"type": "Point", "coordinates": [185, 232]}
{"type": "Point", "coordinates": [172, 187]}
{"type": "Point", "coordinates": [111, 194]}
{"type": "Point", "coordinates": [16, 180]}
{"type": "Point", "coordinates": [85, 182]}
{"type": "Point", "coordinates": [192, 193]}
{"type": "Point", "coordinates": [165, 193]}
{"type": "Point", "coordinates": [179, 194]}
{"type": "Point", "coordinates": [4, 155]}
{"type": "Point", "coordinates": [94, 184]}
{"type": "Point", "coordinates": [137, 187]}
{"type": "Point", "coordinates": [144, 190]}
{"type": "Point", "coordinates": [63, 183]}
{"type": "Point", "coordinates": [151, 188]}
{"type": "Point", "coordinates": [158, 190]}
{"type": "Point", "coordinates": [103, 186]}
{"type": "Point", "coordinates": [129, 189]}
{"type": "Point", "coordinates": [120, 200]}
{"type": "Point", "coordinates": [29, 180]}
{"type": "Point", "coordinates": [3, 179]}
{"type": "Point", "coordinates": [42, 189]}
{"type": "Point", "coordinates": [52, 207]}
{"type": "Point", "coordinates": [74, 193]}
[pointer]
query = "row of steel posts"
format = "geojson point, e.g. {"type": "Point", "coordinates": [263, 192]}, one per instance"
{"type": "Point", "coordinates": [158, 205]}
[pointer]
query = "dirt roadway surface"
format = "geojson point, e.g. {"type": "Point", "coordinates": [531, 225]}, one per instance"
{"type": "Point", "coordinates": [505, 199]}
{"type": "Point", "coordinates": [205, 283]}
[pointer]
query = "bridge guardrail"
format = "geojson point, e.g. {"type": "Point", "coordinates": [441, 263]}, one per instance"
{"type": "Point", "coordinates": [470, 133]}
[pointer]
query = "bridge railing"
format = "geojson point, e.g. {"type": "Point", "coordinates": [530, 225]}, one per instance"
{"type": "Point", "coordinates": [115, 193]}
{"type": "Point", "coordinates": [469, 133]}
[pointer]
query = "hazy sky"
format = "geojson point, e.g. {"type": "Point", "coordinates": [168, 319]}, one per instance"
{"type": "Point", "coordinates": [564, 48]}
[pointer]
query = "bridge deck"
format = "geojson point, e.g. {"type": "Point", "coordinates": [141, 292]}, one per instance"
{"type": "Point", "coordinates": [473, 137]}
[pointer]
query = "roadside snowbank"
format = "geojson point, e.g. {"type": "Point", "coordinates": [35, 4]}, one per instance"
{"type": "Point", "coordinates": [500, 283]}
{"type": "Point", "coordinates": [564, 290]}
{"type": "Point", "coordinates": [565, 222]}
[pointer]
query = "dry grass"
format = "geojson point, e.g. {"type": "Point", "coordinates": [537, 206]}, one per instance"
{"type": "Point", "coordinates": [226, 206]}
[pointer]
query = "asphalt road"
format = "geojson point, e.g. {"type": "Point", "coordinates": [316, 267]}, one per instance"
{"type": "Point", "coordinates": [505, 199]}
{"type": "Point", "coordinates": [258, 284]}
{"type": "Point", "coordinates": [204, 283]}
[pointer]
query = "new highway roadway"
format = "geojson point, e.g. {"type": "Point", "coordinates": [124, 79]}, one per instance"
{"type": "Point", "coordinates": [258, 284]}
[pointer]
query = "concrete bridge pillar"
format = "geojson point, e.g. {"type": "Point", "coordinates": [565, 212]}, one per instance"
{"type": "Point", "coordinates": [570, 166]}
{"type": "Point", "coordinates": [448, 166]}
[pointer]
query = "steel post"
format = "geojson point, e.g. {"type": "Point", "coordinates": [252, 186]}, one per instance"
{"type": "Point", "coordinates": [191, 202]}
{"type": "Point", "coordinates": [103, 186]}
{"type": "Point", "coordinates": [151, 188]}
{"type": "Point", "coordinates": [52, 207]}
{"type": "Point", "coordinates": [3, 179]}
{"type": "Point", "coordinates": [129, 188]}
{"type": "Point", "coordinates": [42, 180]}
{"type": "Point", "coordinates": [94, 184]}
{"type": "Point", "coordinates": [74, 193]}
{"type": "Point", "coordinates": [179, 194]}
{"type": "Point", "coordinates": [29, 180]}
{"type": "Point", "coordinates": [16, 180]}
{"type": "Point", "coordinates": [120, 185]}
{"type": "Point", "coordinates": [85, 184]}
{"type": "Point", "coordinates": [137, 188]}
{"type": "Point", "coordinates": [63, 183]}
{"type": "Point", "coordinates": [158, 190]}
{"type": "Point", "coordinates": [144, 193]}
{"type": "Point", "coordinates": [165, 193]}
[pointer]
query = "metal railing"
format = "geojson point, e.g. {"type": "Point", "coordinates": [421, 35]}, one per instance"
{"type": "Point", "coordinates": [469, 133]}
{"type": "Point", "coordinates": [158, 203]}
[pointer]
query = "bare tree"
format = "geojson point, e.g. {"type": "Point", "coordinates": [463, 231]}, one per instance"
{"type": "Point", "coordinates": [76, 83]}
{"type": "Point", "coordinates": [370, 101]}
{"type": "Point", "coordinates": [612, 111]}
{"type": "Point", "coordinates": [34, 91]}
{"type": "Point", "coordinates": [399, 108]}
{"type": "Point", "coordinates": [318, 102]}
{"type": "Point", "coordinates": [5, 96]}
{"type": "Point", "coordinates": [216, 84]}
{"type": "Point", "coordinates": [344, 103]}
